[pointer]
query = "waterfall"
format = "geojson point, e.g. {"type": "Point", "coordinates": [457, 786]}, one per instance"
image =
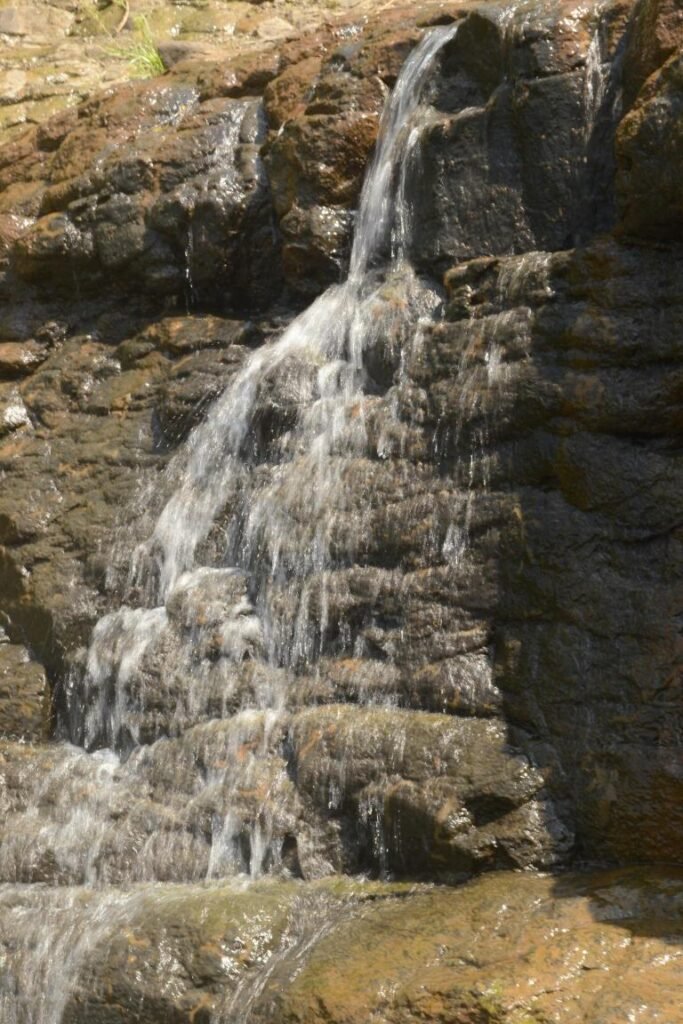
{"type": "Point", "coordinates": [231, 594]}
{"type": "Point", "coordinates": [176, 764]}
{"type": "Point", "coordinates": [266, 468]}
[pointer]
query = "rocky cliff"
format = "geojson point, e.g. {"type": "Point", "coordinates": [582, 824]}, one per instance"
{"type": "Point", "coordinates": [497, 677]}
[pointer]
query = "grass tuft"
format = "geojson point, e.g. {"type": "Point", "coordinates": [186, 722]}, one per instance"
{"type": "Point", "coordinates": [141, 52]}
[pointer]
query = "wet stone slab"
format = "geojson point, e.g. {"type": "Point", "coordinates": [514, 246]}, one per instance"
{"type": "Point", "coordinates": [504, 949]}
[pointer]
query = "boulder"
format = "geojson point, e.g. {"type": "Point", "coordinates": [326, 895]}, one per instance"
{"type": "Point", "coordinates": [424, 794]}
{"type": "Point", "coordinates": [502, 949]}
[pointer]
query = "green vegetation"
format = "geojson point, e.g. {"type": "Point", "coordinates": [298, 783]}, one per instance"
{"type": "Point", "coordinates": [137, 47]}
{"type": "Point", "coordinates": [140, 52]}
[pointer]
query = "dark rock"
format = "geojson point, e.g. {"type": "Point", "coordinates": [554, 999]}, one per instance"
{"type": "Point", "coordinates": [193, 383]}
{"type": "Point", "coordinates": [655, 35]}
{"type": "Point", "coordinates": [424, 794]}
{"type": "Point", "coordinates": [649, 156]}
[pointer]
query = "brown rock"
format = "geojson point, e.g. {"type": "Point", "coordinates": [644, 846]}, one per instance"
{"type": "Point", "coordinates": [436, 796]}
{"type": "Point", "coordinates": [286, 96]}
{"type": "Point", "coordinates": [24, 694]}
{"type": "Point", "coordinates": [655, 35]}
{"type": "Point", "coordinates": [247, 76]}
{"type": "Point", "coordinates": [649, 148]}
{"type": "Point", "coordinates": [19, 359]}
{"type": "Point", "coordinates": [505, 949]}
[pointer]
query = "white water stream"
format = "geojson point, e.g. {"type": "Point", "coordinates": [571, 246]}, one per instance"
{"type": "Point", "coordinates": [278, 498]}
{"type": "Point", "coordinates": [279, 502]}
{"type": "Point", "coordinates": [235, 582]}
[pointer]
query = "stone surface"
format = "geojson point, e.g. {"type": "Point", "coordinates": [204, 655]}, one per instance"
{"type": "Point", "coordinates": [24, 695]}
{"type": "Point", "coordinates": [496, 677]}
{"type": "Point", "coordinates": [57, 54]}
{"type": "Point", "coordinates": [649, 154]}
{"type": "Point", "coordinates": [505, 949]}
{"type": "Point", "coordinates": [19, 360]}
{"type": "Point", "coordinates": [498, 666]}
{"type": "Point", "coordinates": [578, 418]}
{"type": "Point", "coordinates": [424, 794]}
{"type": "Point", "coordinates": [501, 580]}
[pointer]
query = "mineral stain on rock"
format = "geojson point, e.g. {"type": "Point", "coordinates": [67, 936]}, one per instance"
{"type": "Point", "coordinates": [427, 621]}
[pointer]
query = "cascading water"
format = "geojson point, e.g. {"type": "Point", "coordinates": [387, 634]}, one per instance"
{"type": "Point", "coordinates": [299, 676]}
{"type": "Point", "coordinates": [233, 591]}
{"type": "Point", "coordinates": [266, 472]}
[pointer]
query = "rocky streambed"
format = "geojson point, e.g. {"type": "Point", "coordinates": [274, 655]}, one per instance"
{"type": "Point", "coordinates": [504, 949]}
{"type": "Point", "coordinates": [419, 616]}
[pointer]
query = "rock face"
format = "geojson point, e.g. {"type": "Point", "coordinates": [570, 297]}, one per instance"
{"type": "Point", "coordinates": [505, 949]}
{"type": "Point", "coordinates": [24, 698]}
{"type": "Point", "coordinates": [494, 680]}
{"type": "Point", "coordinates": [554, 496]}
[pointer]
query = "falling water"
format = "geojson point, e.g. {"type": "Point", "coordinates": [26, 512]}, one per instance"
{"type": "Point", "coordinates": [227, 598]}
{"type": "Point", "coordinates": [174, 765]}
{"type": "Point", "coordinates": [266, 469]}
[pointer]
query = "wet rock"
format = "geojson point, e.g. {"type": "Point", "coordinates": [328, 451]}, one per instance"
{"type": "Point", "coordinates": [504, 557]}
{"type": "Point", "coordinates": [649, 153]}
{"type": "Point", "coordinates": [580, 418]}
{"type": "Point", "coordinates": [233, 808]}
{"type": "Point", "coordinates": [24, 696]}
{"type": "Point", "coordinates": [494, 950]}
{"type": "Point", "coordinates": [193, 383]}
{"type": "Point", "coordinates": [656, 34]}
{"type": "Point", "coordinates": [181, 335]}
{"type": "Point", "coordinates": [502, 949]}
{"type": "Point", "coordinates": [17, 360]}
{"type": "Point", "coordinates": [326, 115]}
{"type": "Point", "coordinates": [518, 100]}
{"type": "Point", "coordinates": [316, 246]}
{"type": "Point", "coordinates": [53, 244]}
{"type": "Point", "coordinates": [163, 206]}
{"type": "Point", "coordinates": [189, 952]}
{"type": "Point", "coordinates": [13, 412]}
{"type": "Point", "coordinates": [433, 796]}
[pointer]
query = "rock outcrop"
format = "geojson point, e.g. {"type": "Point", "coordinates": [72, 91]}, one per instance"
{"type": "Point", "coordinates": [496, 681]}
{"type": "Point", "coordinates": [505, 949]}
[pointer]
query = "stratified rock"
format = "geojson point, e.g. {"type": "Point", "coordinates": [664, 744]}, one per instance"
{"type": "Point", "coordinates": [571, 415]}
{"type": "Point", "coordinates": [127, 196]}
{"type": "Point", "coordinates": [424, 794]}
{"type": "Point", "coordinates": [505, 545]}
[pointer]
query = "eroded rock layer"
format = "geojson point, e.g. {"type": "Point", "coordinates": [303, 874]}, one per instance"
{"type": "Point", "coordinates": [482, 667]}
{"type": "Point", "coordinates": [505, 949]}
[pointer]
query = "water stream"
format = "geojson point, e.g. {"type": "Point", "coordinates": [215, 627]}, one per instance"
{"type": "Point", "coordinates": [178, 713]}
{"type": "Point", "coordinates": [236, 577]}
